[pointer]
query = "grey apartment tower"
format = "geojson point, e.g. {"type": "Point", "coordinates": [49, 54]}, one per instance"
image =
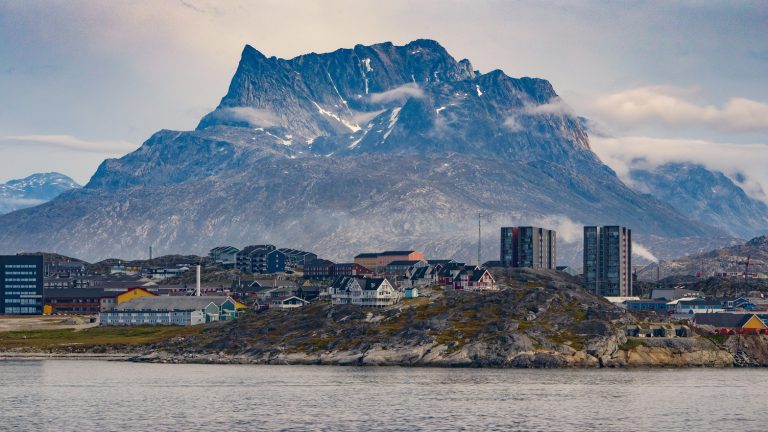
{"type": "Point", "coordinates": [531, 247]}
{"type": "Point", "coordinates": [608, 260]}
{"type": "Point", "coordinates": [21, 284]}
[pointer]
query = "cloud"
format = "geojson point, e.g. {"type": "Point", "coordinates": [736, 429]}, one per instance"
{"type": "Point", "coordinates": [556, 107]}
{"type": "Point", "coordinates": [675, 108]}
{"type": "Point", "coordinates": [643, 252]}
{"type": "Point", "coordinates": [363, 118]}
{"type": "Point", "coordinates": [513, 124]}
{"type": "Point", "coordinates": [745, 164]}
{"type": "Point", "coordinates": [67, 142]}
{"type": "Point", "coordinates": [401, 93]}
{"type": "Point", "coordinates": [253, 116]}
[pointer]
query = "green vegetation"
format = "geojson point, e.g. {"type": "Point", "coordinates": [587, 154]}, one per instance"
{"type": "Point", "coordinates": [92, 337]}
{"type": "Point", "coordinates": [718, 339]}
{"type": "Point", "coordinates": [631, 344]}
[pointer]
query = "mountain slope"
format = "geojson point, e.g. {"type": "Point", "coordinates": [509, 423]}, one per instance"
{"type": "Point", "coordinates": [723, 260]}
{"type": "Point", "coordinates": [33, 190]}
{"type": "Point", "coordinates": [706, 196]}
{"type": "Point", "coordinates": [372, 147]}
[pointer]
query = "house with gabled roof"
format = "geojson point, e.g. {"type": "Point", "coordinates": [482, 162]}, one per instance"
{"type": "Point", "coordinates": [478, 279]}
{"type": "Point", "coordinates": [730, 321]}
{"type": "Point", "coordinates": [363, 291]}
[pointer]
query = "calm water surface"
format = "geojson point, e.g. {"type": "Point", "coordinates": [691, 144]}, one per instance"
{"type": "Point", "coordinates": [114, 396]}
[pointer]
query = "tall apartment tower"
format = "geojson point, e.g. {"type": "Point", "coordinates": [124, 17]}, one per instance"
{"type": "Point", "coordinates": [531, 247]}
{"type": "Point", "coordinates": [608, 260]}
{"type": "Point", "coordinates": [21, 284]}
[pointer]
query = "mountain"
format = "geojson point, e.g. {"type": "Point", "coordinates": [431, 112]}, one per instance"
{"type": "Point", "coordinates": [729, 259]}
{"type": "Point", "coordinates": [33, 190]}
{"type": "Point", "coordinates": [706, 196]}
{"type": "Point", "coordinates": [360, 149]}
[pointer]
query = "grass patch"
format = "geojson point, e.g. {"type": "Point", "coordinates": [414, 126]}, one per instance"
{"type": "Point", "coordinates": [96, 336]}
{"type": "Point", "coordinates": [568, 338]}
{"type": "Point", "coordinates": [718, 339]}
{"type": "Point", "coordinates": [631, 344]}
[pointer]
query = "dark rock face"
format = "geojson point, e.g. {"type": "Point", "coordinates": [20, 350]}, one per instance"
{"type": "Point", "coordinates": [33, 190]}
{"type": "Point", "coordinates": [706, 196]}
{"type": "Point", "coordinates": [378, 146]}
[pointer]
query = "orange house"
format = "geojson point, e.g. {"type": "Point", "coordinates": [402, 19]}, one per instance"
{"type": "Point", "coordinates": [377, 261]}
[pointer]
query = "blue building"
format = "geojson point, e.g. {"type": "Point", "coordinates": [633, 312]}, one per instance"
{"type": "Point", "coordinates": [659, 306]}
{"type": "Point", "coordinates": [21, 284]}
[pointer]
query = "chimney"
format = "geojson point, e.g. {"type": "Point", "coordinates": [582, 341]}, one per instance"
{"type": "Point", "coordinates": [197, 287]}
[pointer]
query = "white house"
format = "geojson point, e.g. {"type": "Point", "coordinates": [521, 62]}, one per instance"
{"type": "Point", "coordinates": [170, 310]}
{"type": "Point", "coordinates": [291, 302]}
{"type": "Point", "coordinates": [362, 291]}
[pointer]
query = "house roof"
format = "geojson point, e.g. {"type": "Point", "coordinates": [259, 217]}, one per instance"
{"type": "Point", "coordinates": [407, 263]}
{"type": "Point", "coordinates": [395, 253]}
{"type": "Point", "coordinates": [162, 303]}
{"type": "Point", "coordinates": [367, 255]}
{"type": "Point", "coordinates": [439, 261]}
{"type": "Point", "coordinates": [72, 293]}
{"type": "Point", "coordinates": [730, 320]}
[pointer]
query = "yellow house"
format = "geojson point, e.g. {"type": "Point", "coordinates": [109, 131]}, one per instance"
{"type": "Point", "coordinates": [133, 293]}
{"type": "Point", "coordinates": [753, 323]}
{"type": "Point", "coordinates": [239, 305]}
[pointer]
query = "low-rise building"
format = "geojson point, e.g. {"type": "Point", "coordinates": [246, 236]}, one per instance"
{"type": "Point", "coordinates": [737, 322]}
{"type": "Point", "coordinates": [473, 280]}
{"type": "Point", "coordinates": [400, 268]}
{"type": "Point", "coordinates": [363, 291]}
{"type": "Point", "coordinates": [292, 302]}
{"type": "Point", "coordinates": [647, 305]}
{"type": "Point", "coordinates": [224, 256]}
{"type": "Point", "coordinates": [378, 261]}
{"type": "Point", "coordinates": [263, 259]}
{"type": "Point", "coordinates": [693, 305]}
{"type": "Point", "coordinates": [171, 310]}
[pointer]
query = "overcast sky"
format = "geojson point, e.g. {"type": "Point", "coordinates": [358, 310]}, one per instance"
{"type": "Point", "coordinates": [81, 81]}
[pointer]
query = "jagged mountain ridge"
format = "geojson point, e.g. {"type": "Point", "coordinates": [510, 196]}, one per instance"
{"type": "Point", "coordinates": [704, 195]}
{"type": "Point", "coordinates": [293, 156]}
{"type": "Point", "coordinates": [33, 190]}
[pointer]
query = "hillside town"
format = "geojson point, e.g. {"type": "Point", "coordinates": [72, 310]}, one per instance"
{"type": "Point", "coordinates": [229, 281]}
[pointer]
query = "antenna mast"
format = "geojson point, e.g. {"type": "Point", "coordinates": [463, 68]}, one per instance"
{"type": "Point", "coordinates": [479, 239]}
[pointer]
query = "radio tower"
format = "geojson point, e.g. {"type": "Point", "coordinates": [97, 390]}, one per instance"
{"type": "Point", "coordinates": [479, 240]}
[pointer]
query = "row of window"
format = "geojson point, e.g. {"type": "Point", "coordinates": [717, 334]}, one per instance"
{"type": "Point", "coordinates": [20, 280]}
{"type": "Point", "coordinates": [22, 310]}
{"type": "Point", "coordinates": [21, 301]}
{"type": "Point", "coordinates": [20, 273]}
{"type": "Point", "coordinates": [21, 266]}
{"type": "Point", "coordinates": [28, 288]}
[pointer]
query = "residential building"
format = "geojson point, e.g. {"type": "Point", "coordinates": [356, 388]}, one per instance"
{"type": "Point", "coordinates": [399, 268]}
{"type": "Point", "coordinates": [730, 321]}
{"type": "Point", "coordinates": [264, 259]}
{"type": "Point", "coordinates": [171, 310]}
{"type": "Point", "coordinates": [292, 302]}
{"type": "Point", "coordinates": [367, 260]}
{"type": "Point", "coordinates": [349, 269]}
{"type": "Point", "coordinates": [87, 301]}
{"type": "Point", "coordinates": [224, 256]}
{"type": "Point", "coordinates": [295, 258]}
{"type": "Point", "coordinates": [693, 305]}
{"type": "Point", "coordinates": [363, 291]}
{"type": "Point", "coordinates": [647, 305]}
{"type": "Point", "coordinates": [608, 260]}
{"type": "Point", "coordinates": [21, 284]}
{"type": "Point", "coordinates": [421, 276]}
{"type": "Point", "coordinates": [478, 279]}
{"type": "Point", "coordinates": [318, 269]}
{"type": "Point", "coordinates": [378, 261]}
{"type": "Point", "coordinates": [528, 246]}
